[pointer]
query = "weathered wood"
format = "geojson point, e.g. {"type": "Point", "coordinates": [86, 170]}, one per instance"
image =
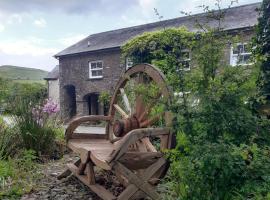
{"type": "Point", "coordinates": [150, 147]}
{"type": "Point", "coordinates": [67, 172]}
{"type": "Point", "coordinates": [139, 160]}
{"type": "Point", "coordinates": [79, 120]}
{"type": "Point", "coordinates": [90, 173]}
{"type": "Point", "coordinates": [150, 121]}
{"type": "Point", "coordinates": [137, 181]}
{"type": "Point", "coordinates": [134, 136]}
{"type": "Point", "coordinates": [125, 99]}
{"type": "Point", "coordinates": [98, 189]}
{"type": "Point", "coordinates": [133, 158]}
{"type": "Point", "coordinates": [121, 111]}
{"type": "Point", "coordinates": [88, 136]}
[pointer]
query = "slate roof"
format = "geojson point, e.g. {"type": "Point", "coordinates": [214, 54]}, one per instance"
{"type": "Point", "coordinates": [236, 18]}
{"type": "Point", "coordinates": [54, 74]}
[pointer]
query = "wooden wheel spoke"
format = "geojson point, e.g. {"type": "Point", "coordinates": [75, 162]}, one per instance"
{"type": "Point", "coordinates": [126, 101]}
{"type": "Point", "coordinates": [152, 120]}
{"type": "Point", "coordinates": [120, 111]}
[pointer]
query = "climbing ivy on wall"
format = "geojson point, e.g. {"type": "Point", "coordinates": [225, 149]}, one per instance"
{"type": "Point", "coordinates": [262, 52]}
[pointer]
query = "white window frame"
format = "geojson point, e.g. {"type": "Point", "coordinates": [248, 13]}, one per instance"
{"type": "Point", "coordinates": [128, 63]}
{"type": "Point", "coordinates": [234, 58]}
{"type": "Point", "coordinates": [186, 59]}
{"type": "Point", "coordinates": [96, 69]}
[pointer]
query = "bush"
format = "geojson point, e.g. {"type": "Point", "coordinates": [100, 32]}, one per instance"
{"type": "Point", "coordinates": [37, 124]}
{"type": "Point", "coordinates": [18, 176]}
{"type": "Point", "coordinates": [9, 140]}
{"type": "Point", "coordinates": [220, 171]}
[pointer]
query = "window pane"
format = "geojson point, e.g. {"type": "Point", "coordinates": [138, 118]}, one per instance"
{"type": "Point", "coordinates": [99, 73]}
{"type": "Point", "coordinates": [94, 73]}
{"type": "Point", "coordinates": [93, 65]}
{"type": "Point", "coordinates": [246, 48]}
{"type": "Point", "coordinates": [185, 64]}
{"type": "Point", "coordinates": [99, 64]}
{"type": "Point", "coordinates": [246, 59]}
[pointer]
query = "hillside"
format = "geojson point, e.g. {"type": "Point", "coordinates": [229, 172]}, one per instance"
{"type": "Point", "coordinates": [21, 73]}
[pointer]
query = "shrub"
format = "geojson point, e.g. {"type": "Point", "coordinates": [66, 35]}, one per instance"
{"type": "Point", "coordinates": [9, 140]}
{"type": "Point", "coordinates": [18, 176]}
{"type": "Point", "coordinates": [220, 171]}
{"type": "Point", "coordinates": [36, 123]}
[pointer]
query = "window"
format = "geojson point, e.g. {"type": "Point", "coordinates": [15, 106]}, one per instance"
{"type": "Point", "coordinates": [129, 63]}
{"type": "Point", "coordinates": [95, 69]}
{"type": "Point", "coordinates": [185, 60]}
{"type": "Point", "coordinates": [240, 55]}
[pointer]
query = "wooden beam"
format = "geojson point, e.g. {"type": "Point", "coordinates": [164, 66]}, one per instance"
{"type": "Point", "coordinates": [125, 99]}
{"type": "Point", "coordinates": [121, 111]}
{"type": "Point", "coordinates": [98, 189]}
{"type": "Point", "coordinates": [137, 181]}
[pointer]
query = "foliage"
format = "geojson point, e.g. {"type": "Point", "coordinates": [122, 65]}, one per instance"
{"type": "Point", "coordinates": [9, 140]}
{"type": "Point", "coordinates": [262, 52]}
{"type": "Point", "coordinates": [18, 91]}
{"type": "Point", "coordinates": [223, 147]}
{"type": "Point", "coordinates": [220, 170]}
{"type": "Point", "coordinates": [18, 176]}
{"type": "Point", "coordinates": [37, 124]}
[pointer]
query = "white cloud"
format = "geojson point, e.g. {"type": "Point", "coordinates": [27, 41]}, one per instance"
{"type": "Point", "coordinates": [70, 40]}
{"type": "Point", "coordinates": [41, 23]}
{"type": "Point", "coordinates": [14, 18]}
{"type": "Point", "coordinates": [25, 47]}
{"type": "Point", "coordinates": [2, 27]}
{"type": "Point", "coordinates": [147, 6]}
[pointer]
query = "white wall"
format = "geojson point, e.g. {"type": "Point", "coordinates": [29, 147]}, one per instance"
{"type": "Point", "coordinates": [53, 87]}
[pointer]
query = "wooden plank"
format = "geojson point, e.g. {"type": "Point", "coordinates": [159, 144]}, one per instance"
{"type": "Point", "coordinates": [150, 147]}
{"type": "Point", "coordinates": [88, 136]}
{"type": "Point", "coordinates": [98, 189]}
{"type": "Point", "coordinates": [67, 172]}
{"type": "Point", "coordinates": [138, 182]}
{"type": "Point", "coordinates": [90, 173]}
{"type": "Point", "coordinates": [79, 120]}
{"type": "Point", "coordinates": [125, 99]}
{"type": "Point", "coordinates": [121, 111]}
{"type": "Point", "coordinates": [133, 191]}
{"type": "Point", "coordinates": [139, 160]}
{"type": "Point", "coordinates": [134, 136]}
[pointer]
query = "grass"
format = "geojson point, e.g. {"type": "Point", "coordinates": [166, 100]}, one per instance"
{"type": "Point", "coordinates": [22, 73]}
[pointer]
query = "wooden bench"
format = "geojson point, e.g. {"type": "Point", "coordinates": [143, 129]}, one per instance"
{"type": "Point", "coordinates": [126, 148]}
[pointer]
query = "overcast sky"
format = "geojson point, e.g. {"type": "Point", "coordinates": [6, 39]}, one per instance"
{"type": "Point", "coordinates": [32, 31]}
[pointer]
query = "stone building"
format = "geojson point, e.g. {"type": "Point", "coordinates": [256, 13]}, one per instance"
{"type": "Point", "coordinates": [93, 65]}
{"type": "Point", "coordinates": [53, 84]}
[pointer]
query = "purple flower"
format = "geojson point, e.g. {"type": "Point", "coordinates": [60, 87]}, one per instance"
{"type": "Point", "coordinates": [50, 107]}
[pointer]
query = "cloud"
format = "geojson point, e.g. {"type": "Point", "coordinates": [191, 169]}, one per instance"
{"type": "Point", "coordinates": [25, 47]}
{"type": "Point", "coordinates": [67, 6]}
{"type": "Point", "coordinates": [41, 23]}
{"type": "Point", "coordinates": [70, 40]}
{"type": "Point", "coordinates": [14, 18]}
{"type": "Point", "coordinates": [2, 27]}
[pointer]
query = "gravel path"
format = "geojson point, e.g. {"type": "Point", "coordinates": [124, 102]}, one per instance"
{"type": "Point", "coordinates": [49, 188]}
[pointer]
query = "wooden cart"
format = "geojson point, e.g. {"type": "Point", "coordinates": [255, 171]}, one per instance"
{"type": "Point", "coordinates": [127, 149]}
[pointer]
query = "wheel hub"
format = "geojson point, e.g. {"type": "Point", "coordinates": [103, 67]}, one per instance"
{"type": "Point", "coordinates": [123, 126]}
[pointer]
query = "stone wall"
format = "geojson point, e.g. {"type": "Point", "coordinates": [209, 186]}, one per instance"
{"type": "Point", "coordinates": [74, 70]}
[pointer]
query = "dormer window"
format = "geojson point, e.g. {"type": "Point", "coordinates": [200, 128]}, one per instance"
{"type": "Point", "coordinates": [96, 69]}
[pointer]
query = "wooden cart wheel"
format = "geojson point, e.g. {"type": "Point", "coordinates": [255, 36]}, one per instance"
{"type": "Point", "coordinates": [140, 100]}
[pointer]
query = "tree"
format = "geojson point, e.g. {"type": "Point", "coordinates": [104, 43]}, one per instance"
{"type": "Point", "coordinates": [262, 52]}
